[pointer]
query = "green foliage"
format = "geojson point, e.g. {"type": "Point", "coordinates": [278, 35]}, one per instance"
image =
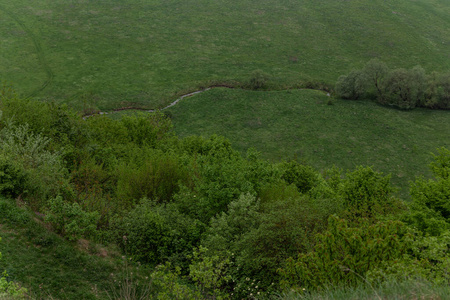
{"type": "Point", "coordinates": [60, 126]}
{"type": "Point", "coordinates": [151, 174]}
{"type": "Point", "coordinates": [229, 227]}
{"type": "Point", "coordinates": [405, 88]}
{"type": "Point", "coordinates": [441, 164]}
{"type": "Point", "coordinates": [438, 93]}
{"type": "Point", "coordinates": [376, 72]}
{"type": "Point", "coordinates": [11, 212]}
{"type": "Point", "coordinates": [258, 80]}
{"type": "Point", "coordinates": [428, 259]}
{"type": "Point", "coordinates": [146, 129]}
{"type": "Point", "coordinates": [45, 174]}
{"type": "Point", "coordinates": [10, 289]}
{"type": "Point", "coordinates": [368, 194]}
{"type": "Point", "coordinates": [220, 179]}
{"type": "Point", "coordinates": [70, 220]}
{"type": "Point", "coordinates": [344, 254]}
{"type": "Point", "coordinates": [12, 177]}
{"type": "Point", "coordinates": [352, 86]}
{"type": "Point", "coordinates": [430, 207]}
{"type": "Point", "coordinates": [210, 273]}
{"type": "Point", "coordinates": [167, 286]}
{"type": "Point", "coordinates": [154, 233]}
{"type": "Point", "coordinates": [303, 177]}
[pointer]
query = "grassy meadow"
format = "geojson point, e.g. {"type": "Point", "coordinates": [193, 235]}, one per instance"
{"type": "Point", "coordinates": [300, 124]}
{"type": "Point", "coordinates": [109, 54]}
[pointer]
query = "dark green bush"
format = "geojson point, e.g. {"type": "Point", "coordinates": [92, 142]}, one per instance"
{"type": "Point", "coordinates": [430, 207]}
{"type": "Point", "coordinates": [12, 177]}
{"type": "Point", "coordinates": [304, 177]}
{"type": "Point", "coordinates": [405, 88]}
{"type": "Point", "coordinates": [258, 80]}
{"type": "Point", "coordinates": [154, 233]}
{"type": "Point", "coordinates": [352, 86]}
{"type": "Point", "coordinates": [154, 175]}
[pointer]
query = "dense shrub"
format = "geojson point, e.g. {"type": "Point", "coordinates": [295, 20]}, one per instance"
{"type": "Point", "coordinates": [438, 92]}
{"type": "Point", "coordinates": [151, 174]}
{"type": "Point", "coordinates": [258, 80]}
{"type": "Point", "coordinates": [303, 177]}
{"type": "Point", "coordinates": [402, 88]}
{"type": "Point", "coordinates": [367, 193]}
{"type": "Point", "coordinates": [70, 220]}
{"type": "Point", "coordinates": [12, 177]}
{"type": "Point", "coordinates": [405, 88]}
{"type": "Point", "coordinates": [344, 254]}
{"type": "Point", "coordinates": [46, 175]}
{"type": "Point", "coordinates": [352, 86]}
{"type": "Point", "coordinates": [430, 206]}
{"type": "Point", "coordinates": [153, 233]}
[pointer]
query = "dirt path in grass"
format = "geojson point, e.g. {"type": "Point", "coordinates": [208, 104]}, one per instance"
{"type": "Point", "coordinates": [181, 98]}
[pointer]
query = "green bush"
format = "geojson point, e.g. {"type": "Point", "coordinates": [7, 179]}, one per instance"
{"type": "Point", "coordinates": [376, 72]}
{"type": "Point", "coordinates": [344, 254]}
{"type": "Point", "coordinates": [46, 175]}
{"type": "Point", "coordinates": [304, 177]}
{"type": "Point", "coordinates": [352, 86]}
{"type": "Point", "coordinates": [430, 206]}
{"type": "Point", "coordinates": [70, 220]}
{"type": "Point", "coordinates": [367, 193]}
{"type": "Point", "coordinates": [438, 92]}
{"type": "Point", "coordinates": [258, 80]}
{"type": "Point", "coordinates": [405, 88]}
{"type": "Point", "coordinates": [12, 177]}
{"type": "Point", "coordinates": [150, 174]}
{"type": "Point", "coordinates": [154, 233]}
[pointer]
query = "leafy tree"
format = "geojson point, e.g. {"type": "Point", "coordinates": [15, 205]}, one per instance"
{"type": "Point", "coordinates": [376, 72]}
{"type": "Point", "coordinates": [367, 193]}
{"type": "Point", "coordinates": [303, 177]}
{"type": "Point", "coordinates": [430, 207]}
{"type": "Point", "coordinates": [405, 88]}
{"type": "Point", "coordinates": [438, 92]}
{"type": "Point", "coordinates": [352, 86]}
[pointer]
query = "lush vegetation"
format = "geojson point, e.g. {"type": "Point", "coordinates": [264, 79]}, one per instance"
{"type": "Point", "coordinates": [302, 125]}
{"type": "Point", "coordinates": [180, 205]}
{"type": "Point", "coordinates": [405, 89]}
{"type": "Point", "coordinates": [109, 54]}
{"type": "Point", "coordinates": [203, 220]}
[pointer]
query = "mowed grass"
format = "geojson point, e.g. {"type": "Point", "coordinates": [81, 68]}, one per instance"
{"type": "Point", "coordinates": [299, 124]}
{"type": "Point", "coordinates": [109, 54]}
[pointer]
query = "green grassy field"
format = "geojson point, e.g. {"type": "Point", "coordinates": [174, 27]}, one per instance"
{"type": "Point", "coordinates": [300, 124]}
{"type": "Point", "coordinates": [108, 54]}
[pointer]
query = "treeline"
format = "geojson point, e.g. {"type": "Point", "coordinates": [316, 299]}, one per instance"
{"type": "Point", "coordinates": [401, 88]}
{"type": "Point", "coordinates": [218, 224]}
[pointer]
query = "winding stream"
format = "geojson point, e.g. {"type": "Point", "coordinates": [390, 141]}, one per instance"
{"type": "Point", "coordinates": [174, 102]}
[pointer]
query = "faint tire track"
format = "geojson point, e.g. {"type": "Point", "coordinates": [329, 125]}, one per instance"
{"type": "Point", "coordinates": [40, 53]}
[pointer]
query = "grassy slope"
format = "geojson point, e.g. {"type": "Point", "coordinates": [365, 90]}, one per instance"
{"type": "Point", "coordinates": [105, 54]}
{"type": "Point", "coordinates": [50, 267]}
{"type": "Point", "coordinates": [300, 124]}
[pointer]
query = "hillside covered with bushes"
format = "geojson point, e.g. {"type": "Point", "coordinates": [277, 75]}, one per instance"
{"type": "Point", "coordinates": [225, 225]}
